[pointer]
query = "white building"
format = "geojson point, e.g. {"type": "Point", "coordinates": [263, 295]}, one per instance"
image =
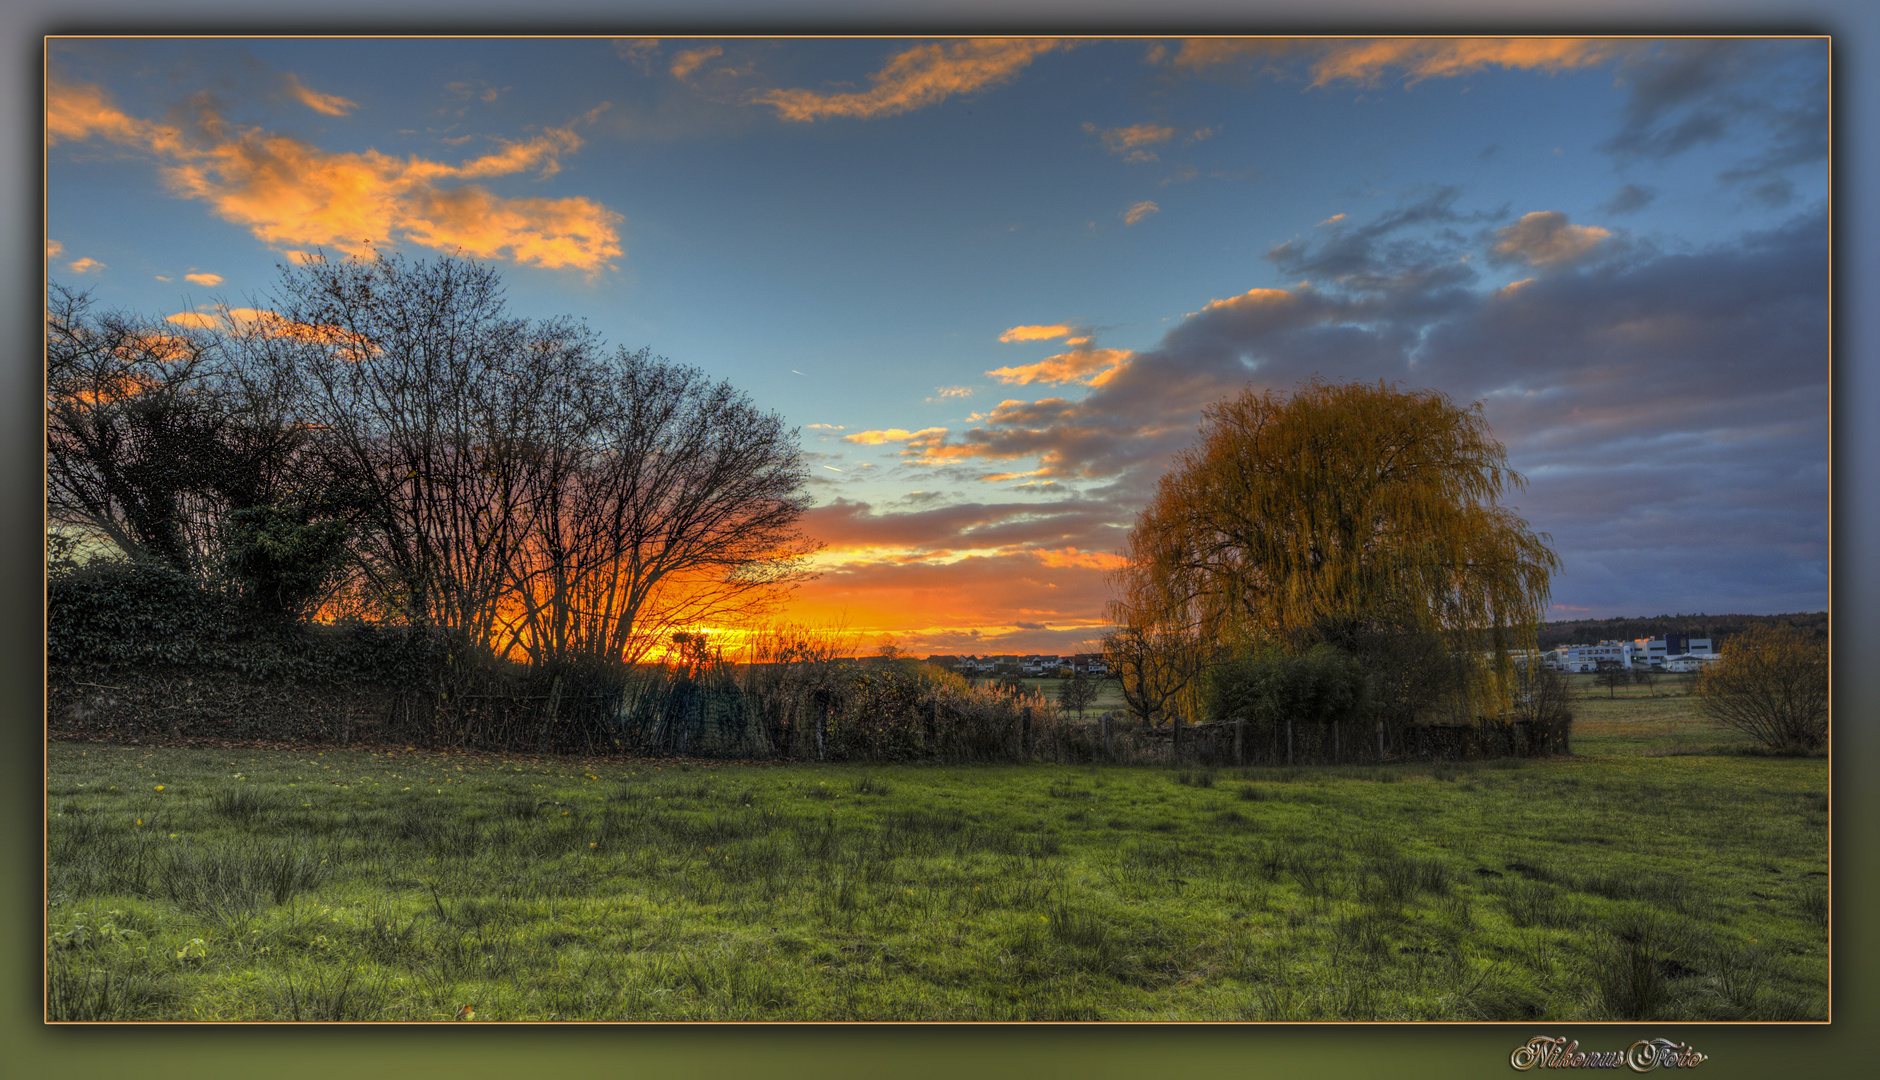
{"type": "Point", "coordinates": [1658, 651]}
{"type": "Point", "coordinates": [1583, 658]}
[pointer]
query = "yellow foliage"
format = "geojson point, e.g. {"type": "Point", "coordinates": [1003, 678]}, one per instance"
{"type": "Point", "coordinates": [1342, 506]}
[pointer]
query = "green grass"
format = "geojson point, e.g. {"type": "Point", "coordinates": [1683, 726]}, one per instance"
{"type": "Point", "coordinates": [1662, 721]}
{"type": "Point", "coordinates": [403, 885]}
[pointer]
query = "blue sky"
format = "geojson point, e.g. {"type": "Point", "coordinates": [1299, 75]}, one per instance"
{"type": "Point", "coordinates": [996, 281]}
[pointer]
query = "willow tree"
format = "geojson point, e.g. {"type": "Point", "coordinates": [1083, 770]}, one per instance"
{"type": "Point", "coordinates": [1351, 514]}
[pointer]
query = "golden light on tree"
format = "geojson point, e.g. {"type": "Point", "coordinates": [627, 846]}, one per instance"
{"type": "Point", "coordinates": [1341, 514]}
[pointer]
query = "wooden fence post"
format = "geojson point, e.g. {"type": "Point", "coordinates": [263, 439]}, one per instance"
{"type": "Point", "coordinates": [1289, 753]}
{"type": "Point", "coordinates": [1380, 741]}
{"type": "Point", "coordinates": [1107, 721]}
{"type": "Point", "coordinates": [1239, 728]}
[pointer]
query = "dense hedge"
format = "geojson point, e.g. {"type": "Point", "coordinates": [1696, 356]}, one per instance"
{"type": "Point", "coordinates": [141, 651]}
{"type": "Point", "coordinates": [112, 616]}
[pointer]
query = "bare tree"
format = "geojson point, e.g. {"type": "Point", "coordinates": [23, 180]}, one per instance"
{"type": "Point", "coordinates": [1154, 664]}
{"type": "Point", "coordinates": [1078, 692]}
{"type": "Point", "coordinates": [1646, 675]}
{"type": "Point", "coordinates": [1612, 677]}
{"type": "Point", "coordinates": [435, 412]}
{"type": "Point", "coordinates": [157, 436]}
{"type": "Point", "coordinates": [1542, 701]}
{"type": "Point", "coordinates": [1772, 683]}
{"type": "Point", "coordinates": [497, 479]}
{"type": "Point", "coordinates": [678, 507]}
{"type": "Point", "coordinates": [129, 407]}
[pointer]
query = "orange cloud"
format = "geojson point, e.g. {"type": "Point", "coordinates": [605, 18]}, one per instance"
{"type": "Point", "coordinates": [287, 192]}
{"type": "Point", "coordinates": [1035, 333]}
{"type": "Point", "coordinates": [1197, 53]}
{"type": "Point", "coordinates": [1070, 556]}
{"type": "Point", "coordinates": [265, 323]}
{"type": "Point", "coordinates": [54, 249]}
{"type": "Point", "coordinates": [1139, 211]}
{"type": "Point", "coordinates": [205, 280]}
{"type": "Point", "coordinates": [638, 52]}
{"type": "Point", "coordinates": [1512, 287]}
{"type": "Point", "coordinates": [195, 320]}
{"type": "Point", "coordinates": [85, 266]}
{"type": "Point", "coordinates": [688, 61]}
{"type": "Point", "coordinates": [1545, 237]}
{"type": "Point", "coordinates": [921, 76]}
{"type": "Point", "coordinates": [330, 104]}
{"type": "Point", "coordinates": [1073, 366]}
{"type": "Point", "coordinates": [1424, 58]}
{"type": "Point", "coordinates": [876, 438]}
{"type": "Point", "coordinates": [1128, 142]}
{"type": "Point", "coordinates": [1253, 298]}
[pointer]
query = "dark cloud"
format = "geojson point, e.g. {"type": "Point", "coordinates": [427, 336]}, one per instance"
{"type": "Point", "coordinates": [1684, 94]}
{"type": "Point", "coordinates": [1629, 199]}
{"type": "Point", "coordinates": [1372, 252]}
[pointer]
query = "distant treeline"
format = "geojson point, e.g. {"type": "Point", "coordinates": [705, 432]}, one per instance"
{"type": "Point", "coordinates": [1719, 628]}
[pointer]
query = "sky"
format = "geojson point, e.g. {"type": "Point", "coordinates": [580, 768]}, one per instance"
{"type": "Point", "coordinates": [994, 282]}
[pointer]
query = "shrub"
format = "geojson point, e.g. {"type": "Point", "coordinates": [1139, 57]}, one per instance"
{"type": "Point", "coordinates": [1771, 684]}
{"type": "Point", "coordinates": [1270, 687]}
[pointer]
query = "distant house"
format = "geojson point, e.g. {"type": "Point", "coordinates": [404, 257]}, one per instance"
{"type": "Point", "coordinates": [1690, 661]}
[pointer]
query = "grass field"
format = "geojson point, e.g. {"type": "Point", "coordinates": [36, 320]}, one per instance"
{"type": "Point", "coordinates": [1109, 693]}
{"type": "Point", "coordinates": [1647, 877]}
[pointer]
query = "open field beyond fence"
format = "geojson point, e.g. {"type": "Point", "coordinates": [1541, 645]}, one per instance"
{"type": "Point", "coordinates": [1655, 875]}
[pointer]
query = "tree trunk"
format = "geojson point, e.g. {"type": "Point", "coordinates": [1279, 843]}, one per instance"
{"type": "Point", "coordinates": [1289, 744]}
{"type": "Point", "coordinates": [822, 728]}
{"type": "Point", "coordinates": [1239, 727]}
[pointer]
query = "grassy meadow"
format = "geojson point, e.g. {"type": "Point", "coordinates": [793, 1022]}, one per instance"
{"type": "Point", "coordinates": [1655, 875]}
